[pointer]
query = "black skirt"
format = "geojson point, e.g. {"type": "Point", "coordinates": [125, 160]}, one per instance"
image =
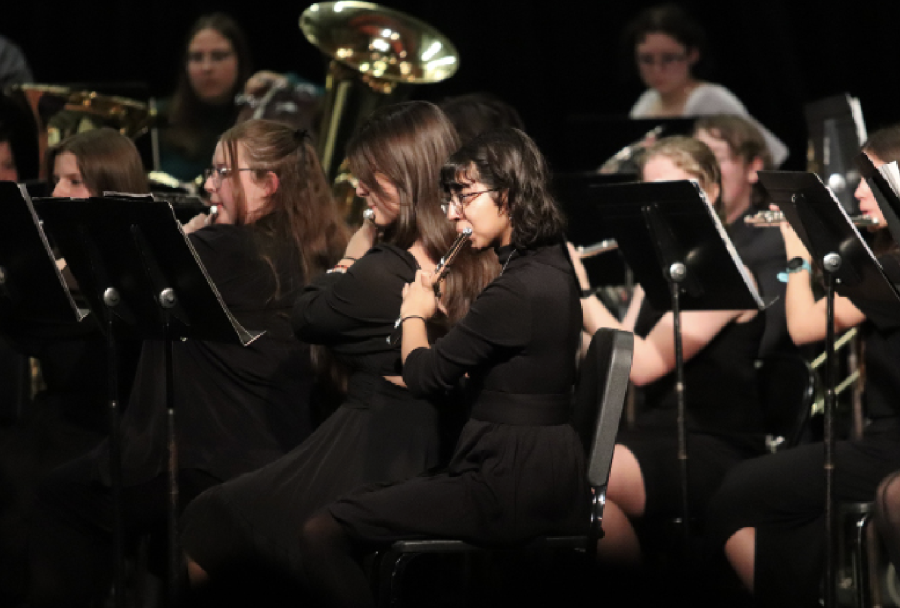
{"type": "Point", "coordinates": [381, 433]}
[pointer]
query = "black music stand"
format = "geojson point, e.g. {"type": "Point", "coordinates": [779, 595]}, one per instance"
{"type": "Point", "coordinates": [32, 287]}
{"type": "Point", "coordinates": [137, 269]}
{"type": "Point", "coordinates": [851, 269]}
{"type": "Point", "coordinates": [573, 192]}
{"type": "Point", "coordinates": [887, 199]}
{"type": "Point", "coordinates": [681, 255]}
{"type": "Point", "coordinates": [33, 291]}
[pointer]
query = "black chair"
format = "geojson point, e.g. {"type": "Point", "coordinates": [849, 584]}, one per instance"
{"type": "Point", "coordinates": [599, 398]}
{"type": "Point", "coordinates": [787, 386]}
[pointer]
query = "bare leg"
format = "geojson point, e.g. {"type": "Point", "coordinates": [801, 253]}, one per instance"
{"type": "Point", "coordinates": [626, 483]}
{"type": "Point", "coordinates": [740, 550]}
{"type": "Point", "coordinates": [197, 576]}
{"type": "Point", "coordinates": [625, 500]}
{"type": "Point", "coordinates": [619, 544]}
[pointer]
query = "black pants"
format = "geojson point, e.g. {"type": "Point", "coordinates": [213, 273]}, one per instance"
{"type": "Point", "coordinates": [782, 496]}
{"type": "Point", "coordinates": [70, 552]}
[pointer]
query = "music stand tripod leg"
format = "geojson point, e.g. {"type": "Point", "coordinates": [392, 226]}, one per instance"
{"type": "Point", "coordinates": [111, 299]}
{"type": "Point", "coordinates": [167, 301]}
{"type": "Point", "coordinates": [831, 264]}
{"type": "Point", "coordinates": [677, 273]}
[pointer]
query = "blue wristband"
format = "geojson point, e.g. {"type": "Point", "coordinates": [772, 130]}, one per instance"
{"type": "Point", "coordinates": [795, 265]}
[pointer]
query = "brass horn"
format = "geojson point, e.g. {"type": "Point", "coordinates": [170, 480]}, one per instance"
{"type": "Point", "coordinates": [375, 51]}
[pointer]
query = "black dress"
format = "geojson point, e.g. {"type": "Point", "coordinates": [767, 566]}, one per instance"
{"type": "Point", "coordinates": [518, 469]}
{"type": "Point", "coordinates": [236, 408]}
{"type": "Point", "coordinates": [724, 418]}
{"type": "Point", "coordinates": [782, 495]}
{"type": "Point", "coordinates": [380, 433]}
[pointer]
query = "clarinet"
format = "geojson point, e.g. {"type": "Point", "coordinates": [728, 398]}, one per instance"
{"type": "Point", "coordinates": [439, 272]}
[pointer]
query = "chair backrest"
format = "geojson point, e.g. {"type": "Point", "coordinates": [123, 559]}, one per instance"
{"type": "Point", "coordinates": [787, 389]}
{"type": "Point", "coordinates": [600, 397]}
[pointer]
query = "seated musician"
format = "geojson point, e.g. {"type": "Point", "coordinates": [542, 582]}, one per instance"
{"type": "Point", "coordinates": [769, 514]}
{"type": "Point", "coordinates": [724, 422]}
{"type": "Point", "coordinates": [741, 151]}
{"type": "Point", "coordinates": [518, 468]}
{"type": "Point", "coordinates": [237, 407]}
{"type": "Point", "coordinates": [670, 52]}
{"type": "Point", "coordinates": [215, 65]}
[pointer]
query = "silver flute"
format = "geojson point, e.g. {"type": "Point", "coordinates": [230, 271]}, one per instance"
{"type": "Point", "coordinates": [589, 251]}
{"type": "Point", "coordinates": [443, 265]}
{"type": "Point", "coordinates": [770, 219]}
{"type": "Point", "coordinates": [439, 271]}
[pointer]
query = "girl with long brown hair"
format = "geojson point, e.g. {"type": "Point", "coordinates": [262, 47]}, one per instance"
{"type": "Point", "coordinates": [380, 432]}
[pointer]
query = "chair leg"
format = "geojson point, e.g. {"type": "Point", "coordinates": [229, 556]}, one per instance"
{"type": "Point", "coordinates": [863, 580]}
{"type": "Point", "coordinates": [392, 568]}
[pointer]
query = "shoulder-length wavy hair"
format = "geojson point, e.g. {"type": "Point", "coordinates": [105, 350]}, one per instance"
{"type": "Point", "coordinates": [744, 140]}
{"type": "Point", "coordinates": [694, 158]}
{"type": "Point", "coordinates": [407, 143]}
{"type": "Point", "coordinates": [301, 210]}
{"type": "Point", "coordinates": [107, 160]}
{"type": "Point", "coordinates": [509, 161]}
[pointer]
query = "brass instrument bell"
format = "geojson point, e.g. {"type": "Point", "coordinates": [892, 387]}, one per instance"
{"type": "Point", "coordinates": [63, 112]}
{"type": "Point", "coordinates": [373, 50]}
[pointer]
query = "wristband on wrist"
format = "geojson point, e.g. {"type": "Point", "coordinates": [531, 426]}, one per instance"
{"type": "Point", "coordinates": [795, 265]}
{"type": "Point", "coordinates": [342, 268]}
{"type": "Point", "coordinates": [586, 293]}
{"type": "Point", "coordinates": [408, 317]}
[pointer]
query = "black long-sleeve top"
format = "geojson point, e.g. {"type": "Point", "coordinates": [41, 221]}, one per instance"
{"type": "Point", "coordinates": [236, 407]}
{"type": "Point", "coordinates": [354, 313]}
{"type": "Point", "coordinates": [520, 336]}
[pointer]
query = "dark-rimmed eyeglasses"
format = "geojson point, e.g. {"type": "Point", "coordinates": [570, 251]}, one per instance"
{"type": "Point", "coordinates": [459, 200]}
{"type": "Point", "coordinates": [663, 60]}
{"type": "Point", "coordinates": [219, 173]}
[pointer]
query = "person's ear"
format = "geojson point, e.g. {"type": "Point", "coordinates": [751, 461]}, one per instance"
{"type": "Point", "coordinates": [713, 192]}
{"type": "Point", "coordinates": [752, 167]}
{"type": "Point", "coordinates": [271, 184]}
{"type": "Point", "coordinates": [503, 203]}
{"type": "Point", "coordinates": [693, 56]}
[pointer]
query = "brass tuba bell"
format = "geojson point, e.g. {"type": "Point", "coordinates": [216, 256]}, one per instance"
{"type": "Point", "coordinates": [374, 52]}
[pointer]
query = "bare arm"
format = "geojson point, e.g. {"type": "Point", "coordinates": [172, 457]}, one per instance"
{"type": "Point", "coordinates": [807, 319]}
{"type": "Point", "coordinates": [654, 355]}
{"type": "Point", "coordinates": [418, 305]}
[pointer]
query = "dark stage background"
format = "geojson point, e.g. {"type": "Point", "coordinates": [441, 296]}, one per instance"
{"type": "Point", "coordinates": [553, 61]}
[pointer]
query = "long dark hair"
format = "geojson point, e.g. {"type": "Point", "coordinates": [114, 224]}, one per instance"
{"type": "Point", "coordinates": [408, 143]}
{"type": "Point", "coordinates": [509, 161]}
{"type": "Point", "coordinates": [186, 108]}
{"type": "Point", "coordinates": [107, 160]}
{"type": "Point", "coordinates": [301, 210]}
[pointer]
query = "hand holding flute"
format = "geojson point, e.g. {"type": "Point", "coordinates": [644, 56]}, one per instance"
{"type": "Point", "coordinates": [421, 297]}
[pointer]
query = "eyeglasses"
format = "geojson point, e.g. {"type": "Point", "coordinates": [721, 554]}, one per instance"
{"type": "Point", "coordinates": [219, 173]}
{"type": "Point", "coordinates": [459, 201]}
{"type": "Point", "coordinates": [663, 60]}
